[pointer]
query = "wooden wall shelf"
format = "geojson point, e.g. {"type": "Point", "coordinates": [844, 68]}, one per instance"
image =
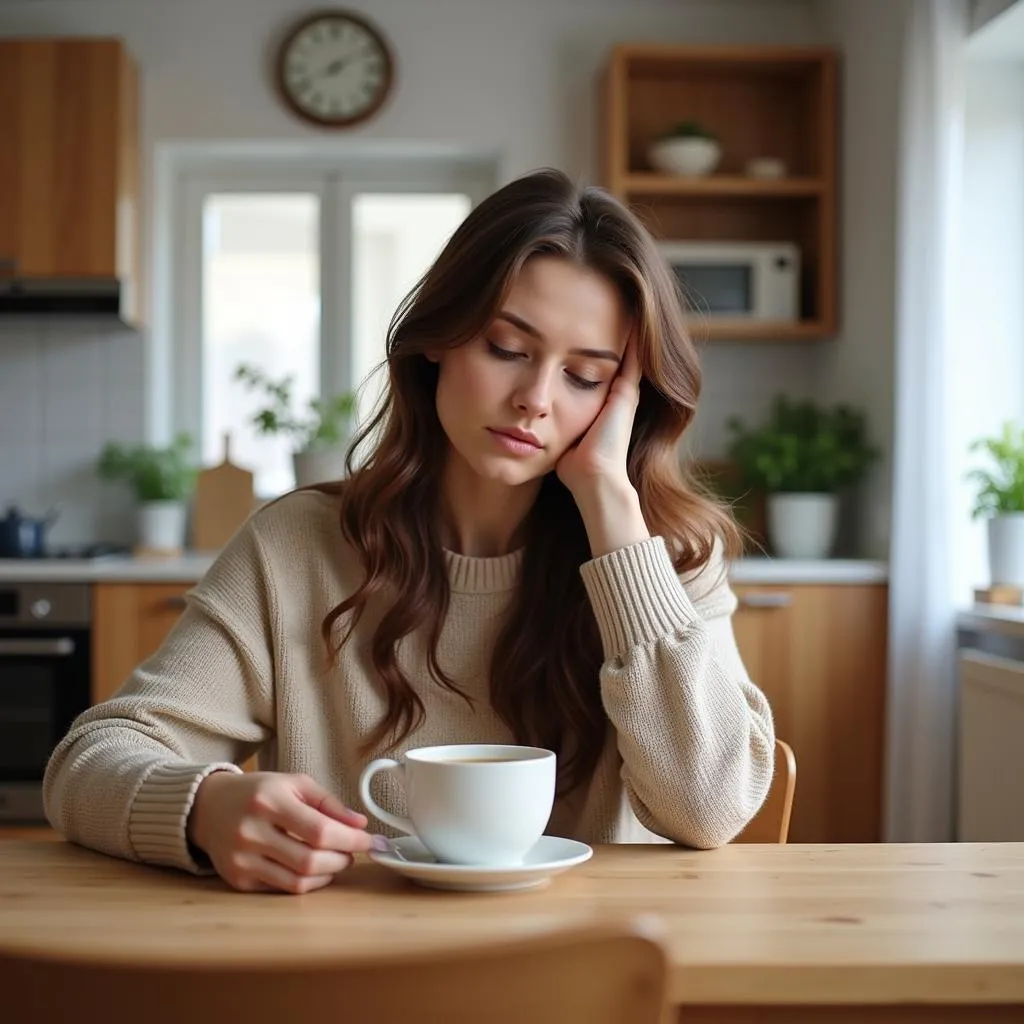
{"type": "Point", "coordinates": [759, 101]}
{"type": "Point", "coordinates": [642, 183]}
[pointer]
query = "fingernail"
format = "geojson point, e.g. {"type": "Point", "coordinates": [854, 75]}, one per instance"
{"type": "Point", "coordinates": [381, 844]}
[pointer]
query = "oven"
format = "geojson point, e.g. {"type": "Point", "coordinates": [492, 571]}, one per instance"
{"type": "Point", "coordinates": [45, 658]}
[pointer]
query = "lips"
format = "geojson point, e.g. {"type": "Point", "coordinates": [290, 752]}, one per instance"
{"type": "Point", "coordinates": [518, 435]}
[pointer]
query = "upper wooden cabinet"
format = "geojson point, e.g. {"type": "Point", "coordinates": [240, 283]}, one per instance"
{"type": "Point", "coordinates": [759, 101]}
{"type": "Point", "coordinates": [818, 653]}
{"type": "Point", "coordinates": [69, 161]}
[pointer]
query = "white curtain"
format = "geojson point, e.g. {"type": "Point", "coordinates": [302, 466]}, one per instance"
{"type": "Point", "coordinates": [921, 709]}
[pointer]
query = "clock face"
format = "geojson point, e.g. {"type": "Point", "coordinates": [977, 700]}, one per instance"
{"type": "Point", "coordinates": [335, 69]}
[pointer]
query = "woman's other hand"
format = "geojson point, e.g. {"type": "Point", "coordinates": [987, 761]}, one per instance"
{"type": "Point", "coordinates": [269, 831]}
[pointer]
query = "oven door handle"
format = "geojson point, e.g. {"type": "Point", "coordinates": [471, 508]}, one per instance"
{"type": "Point", "coordinates": [60, 647]}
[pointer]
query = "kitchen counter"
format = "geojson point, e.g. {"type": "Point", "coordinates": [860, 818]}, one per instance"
{"type": "Point", "coordinates": [751, 571]}
{"type": "Point", "coordinates": [993, 618]}
{"type": "Point", "coordinates": [190, 567]}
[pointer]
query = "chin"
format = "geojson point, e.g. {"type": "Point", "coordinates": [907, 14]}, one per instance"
{"type": "Point", "coordinates": [509, 472]}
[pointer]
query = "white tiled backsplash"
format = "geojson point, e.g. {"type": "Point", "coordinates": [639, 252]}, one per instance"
{"type": "Point", "coordinates": [66, 388]}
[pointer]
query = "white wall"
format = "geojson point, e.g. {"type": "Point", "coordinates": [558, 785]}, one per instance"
{"type": "Point", "coordinates": [518, 78]}
{"type": "Point", "coordinates": [66, 388]}
{"type": "Point", "coordinates": [858, 366]}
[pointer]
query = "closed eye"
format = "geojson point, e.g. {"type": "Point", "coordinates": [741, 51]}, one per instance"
{"type": "Point", "coordinates": [582, 382]}
{"type": "Point", "coordinates": [507, 354]}
{"type": "Point", "coordinates": [502, 353]}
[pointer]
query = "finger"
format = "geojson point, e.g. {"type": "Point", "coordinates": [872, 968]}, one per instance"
{"type": "Point", "coordinates": [629, 368]}
{"type": "Point", "coordinates": [327, 803]}
{"type": "Point", "coordinates": [318, 830]}
{"type": "Point", "coordinates": [296, 855]}
{"type": "Point", "coordinates": [282, 879]}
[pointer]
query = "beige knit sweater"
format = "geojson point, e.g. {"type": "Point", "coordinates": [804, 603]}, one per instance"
{"type": "Point", "coordinates": [689, 758]}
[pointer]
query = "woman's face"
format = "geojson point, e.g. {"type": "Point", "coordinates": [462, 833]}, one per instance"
{"type": "Point", "coordinates": [513, 400]}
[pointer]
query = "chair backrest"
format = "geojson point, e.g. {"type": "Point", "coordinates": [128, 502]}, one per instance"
{"type": "Point", "coordinates": [771, 823]}
{"type": "Point", "coordinates": [597, 975]}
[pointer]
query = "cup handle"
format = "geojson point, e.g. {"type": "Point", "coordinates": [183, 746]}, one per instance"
{"type": "Point", "coordinates": [394, 820]}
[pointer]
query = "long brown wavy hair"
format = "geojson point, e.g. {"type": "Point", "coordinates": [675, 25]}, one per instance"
{"type": "Point", "coordinates": [544, 667]}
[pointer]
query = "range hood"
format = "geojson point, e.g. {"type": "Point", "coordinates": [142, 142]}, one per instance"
{"type": "Point", "coordinates": [64, 296]}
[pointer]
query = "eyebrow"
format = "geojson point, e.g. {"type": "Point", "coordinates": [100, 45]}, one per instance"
{"type": "Point", "coordinates": [528, 328]}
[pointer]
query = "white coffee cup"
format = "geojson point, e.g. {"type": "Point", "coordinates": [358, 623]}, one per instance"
{"type": "Point", "coordinates": [471, 803]}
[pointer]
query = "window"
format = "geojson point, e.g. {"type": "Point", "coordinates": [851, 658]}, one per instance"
{"type": "Point", "coordinates": [394, 239]}
{"type": "Point", "coordinates": [298, 274]}
{"type": "Point", "coordinates": [260, 305]}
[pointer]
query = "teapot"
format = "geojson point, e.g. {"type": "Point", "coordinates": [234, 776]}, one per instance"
{"type": "Point", "coordinates": [24, 536]}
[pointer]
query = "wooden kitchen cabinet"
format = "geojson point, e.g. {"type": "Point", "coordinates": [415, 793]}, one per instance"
{"type": "Point", "coordinates": [69, 162]}
{"type": "Point", "coordinates": [130, 621]}
{"type": "Point", "coordinates": [819, 654]}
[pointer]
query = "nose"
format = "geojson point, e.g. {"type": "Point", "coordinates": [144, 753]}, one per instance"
{"type": "Point", "coordinates": [532, 395]}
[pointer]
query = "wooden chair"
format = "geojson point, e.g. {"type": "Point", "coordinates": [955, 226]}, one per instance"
{"type": "Point", "coordinates": [771, 823]}
{"type": "Point", "coordinates": [597, 975]}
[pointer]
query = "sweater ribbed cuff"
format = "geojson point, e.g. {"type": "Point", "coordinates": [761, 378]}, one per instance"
{"type": "Point", "coordinates": [636, 595]}
{"type": "Point", "coordinates": [159, 813]}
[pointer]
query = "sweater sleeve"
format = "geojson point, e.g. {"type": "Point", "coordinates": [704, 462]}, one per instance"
{"type": "Point", "coordinates": [123, 779]}
{"type": "Point", "coordinates": [695, 734]}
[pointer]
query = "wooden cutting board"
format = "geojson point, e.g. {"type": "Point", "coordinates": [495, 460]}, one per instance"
{"type": "Point", "coordinates": [224, 499]}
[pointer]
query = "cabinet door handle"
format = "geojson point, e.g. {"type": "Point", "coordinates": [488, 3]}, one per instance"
{"type": "Point", "coordinates": [8, 265]}
{"type": "Point", "coordinates": [60, 647]}
{"type": "Point", "coordinates": [176, 603]}
{"type": "Point", "coordinates": [770, 599]}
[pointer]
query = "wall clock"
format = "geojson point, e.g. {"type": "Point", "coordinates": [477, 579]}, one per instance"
{"type": "Point", "coordinates": [334, 68]}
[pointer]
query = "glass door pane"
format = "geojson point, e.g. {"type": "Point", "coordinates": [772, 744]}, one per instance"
{"type": "Point", "coordinates": [261, 306]}
{"type": "Point", "coordinates": [395, 238]}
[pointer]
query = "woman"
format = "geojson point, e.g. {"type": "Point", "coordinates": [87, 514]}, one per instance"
{"type": "Point", "coordinates": [516, 559]}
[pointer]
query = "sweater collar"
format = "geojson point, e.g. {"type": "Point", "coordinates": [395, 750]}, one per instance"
{"type": "Point", "coordinates": [483, 575]}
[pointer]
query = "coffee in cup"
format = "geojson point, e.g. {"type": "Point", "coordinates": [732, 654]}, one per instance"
{"type": "Point", "coordinates": [485, 804]}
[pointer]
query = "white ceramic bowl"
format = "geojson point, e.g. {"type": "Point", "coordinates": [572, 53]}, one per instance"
{"type": "Point", "coordinates": [689, 157]}
{"type": "Point", "coordinates": [766, 167]}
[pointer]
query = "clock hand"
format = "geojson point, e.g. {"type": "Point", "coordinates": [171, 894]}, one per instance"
{"type": "Point", "coordinates": [336, 66]}
{"type": "Point", "coordinates": [339, 64]}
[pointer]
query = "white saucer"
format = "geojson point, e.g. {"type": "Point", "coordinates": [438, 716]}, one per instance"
{"type": "Point", "coordinates": [551, 856]}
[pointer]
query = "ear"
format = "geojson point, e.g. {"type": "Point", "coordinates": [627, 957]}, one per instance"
{"type": "Point", "coordinates": [434, 356]}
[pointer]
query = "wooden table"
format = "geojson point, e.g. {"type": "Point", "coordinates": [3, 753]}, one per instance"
{"type": "Point", "coordinates": [812, 932]}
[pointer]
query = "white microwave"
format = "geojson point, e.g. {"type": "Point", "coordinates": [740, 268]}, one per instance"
{"type": "Point", "coordinates": [738, 280]}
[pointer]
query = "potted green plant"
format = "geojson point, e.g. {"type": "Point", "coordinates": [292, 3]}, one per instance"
{"type": "Point", "coordinates": [687, 149]}
{"type": "Point", "coordinates": [162, 479]}
{"type": "Point", "coordinates": [801, 458]}
{"type": "Point", "coordinates": [320, 437]}
{"type": "Point", "coordinates": [1000, 500]}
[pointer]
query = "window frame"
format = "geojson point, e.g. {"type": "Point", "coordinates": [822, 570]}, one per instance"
{"type": "Point", "coordinates": [187, 173]}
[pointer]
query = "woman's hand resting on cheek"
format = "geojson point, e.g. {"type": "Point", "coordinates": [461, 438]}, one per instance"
{"type": "Point", "coordinates": [268, 831]}
{"type": "Point", "coordinates": [594, 469]}
{"type": "Point", "coordinates": [599, 457]}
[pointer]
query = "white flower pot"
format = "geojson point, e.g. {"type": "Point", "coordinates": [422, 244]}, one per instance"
{"type": "Point", "coordinates": [688, 157]}
{"type": "Point", "coordinates": [802, 525]}
{"type": "Point", "coordinates": [319, 465]}
{"type": "Point", "coordinates": [161, 525]}
{"type": "Point", "coordinates": [1006, 549]}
